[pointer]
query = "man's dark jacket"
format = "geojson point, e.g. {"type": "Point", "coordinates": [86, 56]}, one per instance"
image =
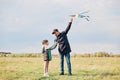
{"type": "Point", "coordinates": [64, 46]}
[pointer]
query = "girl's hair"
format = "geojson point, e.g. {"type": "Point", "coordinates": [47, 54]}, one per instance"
{"type": "Point", "coordinates": [44, 42]}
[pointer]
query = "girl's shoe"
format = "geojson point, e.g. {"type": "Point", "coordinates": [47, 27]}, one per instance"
{"type": "Point", "coordinates": [46, 75]}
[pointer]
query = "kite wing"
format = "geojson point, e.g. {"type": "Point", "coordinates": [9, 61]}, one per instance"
{"type": "Point", "coordinates": [87, 19]}
{"type": "Point", "coordinates": [84, 12]}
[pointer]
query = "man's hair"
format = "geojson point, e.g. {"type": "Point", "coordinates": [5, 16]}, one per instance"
{"type": "Point", "coordinates": [44, 42]}
{"type": "Point", "coordinates": [55, 30]}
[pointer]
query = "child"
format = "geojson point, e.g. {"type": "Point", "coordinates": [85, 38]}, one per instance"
{"type": "Point", "coordinates": [47, 55]}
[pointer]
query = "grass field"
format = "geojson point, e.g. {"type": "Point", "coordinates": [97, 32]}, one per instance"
{"type": "Point", "coordinates": [82, 69]}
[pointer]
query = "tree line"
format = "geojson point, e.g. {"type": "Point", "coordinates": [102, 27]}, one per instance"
{"type": "Point", "coordinates": [75, 55]}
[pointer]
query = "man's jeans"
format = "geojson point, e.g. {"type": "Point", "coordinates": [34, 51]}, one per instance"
{"type": "Point", "coordinates": [67, 56]}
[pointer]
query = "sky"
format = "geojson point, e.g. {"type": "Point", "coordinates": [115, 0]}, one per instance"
{"type": "Point", "coordinates": [25, 23]}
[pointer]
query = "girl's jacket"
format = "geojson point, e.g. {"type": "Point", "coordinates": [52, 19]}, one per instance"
{"type": "Point", "coordinates": [47, 51]}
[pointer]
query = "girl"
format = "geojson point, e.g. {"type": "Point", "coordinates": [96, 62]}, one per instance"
{"type": "Point", "coordinates": [47, 55]}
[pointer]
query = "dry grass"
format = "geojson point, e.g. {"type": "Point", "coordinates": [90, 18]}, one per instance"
{"type": "Point", "coordinates": [82, 69]}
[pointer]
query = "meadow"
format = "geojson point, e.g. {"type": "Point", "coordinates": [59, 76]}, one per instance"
{"type": "Point", "coordinates": [83, 68]}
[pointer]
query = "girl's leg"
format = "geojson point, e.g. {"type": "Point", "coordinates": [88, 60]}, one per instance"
{"type": "Point", "coordinates": [47, 66]}
{"type": "Point", "coordinates": [44, 67]}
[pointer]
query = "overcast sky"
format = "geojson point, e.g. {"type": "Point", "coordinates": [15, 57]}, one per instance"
{"type": "Point", "coordinates": [25, 23]}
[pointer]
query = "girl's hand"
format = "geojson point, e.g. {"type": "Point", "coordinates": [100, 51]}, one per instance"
{"type": "Point", "coordinates": [55, 42]}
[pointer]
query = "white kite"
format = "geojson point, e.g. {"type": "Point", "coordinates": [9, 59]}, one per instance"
{"type": "Point", "coordinates": [80, 15]}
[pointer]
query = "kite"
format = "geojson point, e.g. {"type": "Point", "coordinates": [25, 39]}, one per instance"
{"type": "Point", "coordinates": [80, 15]}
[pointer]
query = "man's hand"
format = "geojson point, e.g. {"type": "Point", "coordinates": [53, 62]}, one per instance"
{"type": "Point", "coordinates": [71, 20]}
{"type": "Point", "coordinates": [55, 42]}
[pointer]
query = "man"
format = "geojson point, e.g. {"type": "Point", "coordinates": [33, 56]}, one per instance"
{"type": "Point", "coordinates": [64, 47]}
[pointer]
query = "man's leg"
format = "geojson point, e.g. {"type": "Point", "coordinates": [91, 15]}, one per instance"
{"type": "Point", "coordinates": [67, 56]}
{"type": "Point", "coordinates": [61, 64]}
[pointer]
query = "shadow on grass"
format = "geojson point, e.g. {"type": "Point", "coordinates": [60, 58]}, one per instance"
{"type": "Point", "coordinates": [108, 74]}
{"type": "Point", "coordinates": [53, 76]}
{"type": "Point", "coordinates": [47, 78]}
{"type": "Point", "coordinates": [80, 74]}
{"type": "Point", "coordinates": [43, 78]}
{"type": "Point", "coordinates": [96, 73]}
{"type": "Point", "coordinates": [66, 74]}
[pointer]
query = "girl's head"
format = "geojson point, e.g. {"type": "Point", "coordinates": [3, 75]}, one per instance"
{"type": "Point", "coordinates": [45, 42]}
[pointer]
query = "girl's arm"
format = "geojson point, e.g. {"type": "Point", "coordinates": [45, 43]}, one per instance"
{"type": "Point", "coordinates": [53, 46]}
{"type": "Point", "coordinates": [43, 49]}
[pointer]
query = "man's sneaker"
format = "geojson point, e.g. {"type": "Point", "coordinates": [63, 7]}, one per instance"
{"type": "Point", "coordinates": [61, 73]}
{"type": "Point", "coordinates": [69, 74]}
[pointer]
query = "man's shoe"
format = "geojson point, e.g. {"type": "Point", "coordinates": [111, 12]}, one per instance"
{"type": "Point", "coordinates": [61, 73]}
{"type": "Point", "coordinates": [69, 74]}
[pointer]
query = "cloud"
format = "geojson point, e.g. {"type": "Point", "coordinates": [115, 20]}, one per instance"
{"type": "Point", "coordinates": [91, 48]}
{"type": "Point", "coordinates": [31, 21]}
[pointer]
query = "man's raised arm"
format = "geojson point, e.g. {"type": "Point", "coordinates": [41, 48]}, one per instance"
{"type": "Point", "coordinates": [69, 25]}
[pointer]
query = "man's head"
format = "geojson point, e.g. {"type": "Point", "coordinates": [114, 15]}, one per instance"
{"type": "Point", "coordinates": [56, 32]}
